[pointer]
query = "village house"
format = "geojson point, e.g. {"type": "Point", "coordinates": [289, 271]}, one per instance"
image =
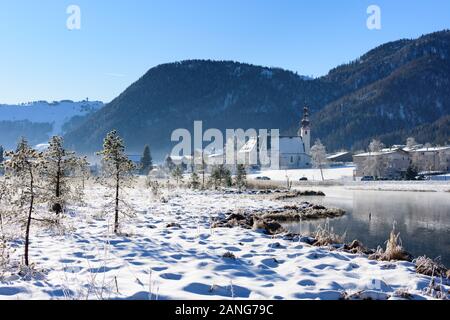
{"type": "Point", "coordinates": [433, 159]}
{"type": "Point", "coordinates": [386, 163]}
{"type": "Point", "coordinates": [394, 162]}
{"type": "Point", "coordinates": [340, 158]}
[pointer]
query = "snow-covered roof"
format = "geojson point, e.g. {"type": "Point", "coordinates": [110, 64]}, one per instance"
{"type": "Point", "coordinates": [291, 145]}
{"type": "Point", "coordinates": [379, 153]}
{"type": "Point", "coordinates": [216, 155]}
{"type": "Point", "coordinates": [250, 145]}
{"type": "Point", "coordinates": [337, 155]}
{"type": "Point", "coordinates": [433, 149]}
{"type": "Point", "coordinates": [41, 147]}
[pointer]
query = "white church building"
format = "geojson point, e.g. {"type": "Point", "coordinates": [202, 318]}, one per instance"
{"type": "Point", "coordinates": [293, 151]}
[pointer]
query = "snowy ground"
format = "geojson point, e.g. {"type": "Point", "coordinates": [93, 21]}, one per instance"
{"type": "Point", "coordinates": [156, 262]}
{"type": "Point", "coordinates": [340, 173]}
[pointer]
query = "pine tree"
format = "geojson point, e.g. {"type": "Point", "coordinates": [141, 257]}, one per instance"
{"type": "Point", "coordinates": [116, 168]}
{"type": "Point", "coordinates": [241, 176]}
{"type": "Point", "coordinates": [146, 161]}
{"type": "Point", "coordinates": [177, 174]}
{"type": "Point", "coordinates": [216, 177]}
{"type": "Point", "coordinates": [168, 163]}
{"type": "Point", "coordinates": [227, 178]}
{"type": "Point", "coordinates": [221, 176]}
{"type": "Point", "coordinates": [2, 159]}
{"type": "Point", "coordinates": [59, 167]}
{"type": "Point", "coordinates": [23, 170]}
{"type": "Point", "coordinates": [195, 181]}
{"type": "Point", "coordinates": [411, 173]}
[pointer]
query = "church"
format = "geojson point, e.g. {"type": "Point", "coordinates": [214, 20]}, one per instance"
{"type": "Point", "coordinates": [293, 151]}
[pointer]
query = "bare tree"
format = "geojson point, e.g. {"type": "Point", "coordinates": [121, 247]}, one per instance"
{"type": "Point", "coordinates": [117, 169]}
{"type": "Point", "coordinates": [23, 169]}
{"type": "Point", "coordinates": [411, 143]}
{"type": "Point", "coordinates": [376, 146]}
{"type": "Point", "coordinates": [373, 164]}
{"type": "Point", "coordinates": [82, 171]}
{"type": "Point", "coordinates": [319, 156]}
{"type": "Point", "coordinates": [444, 160]}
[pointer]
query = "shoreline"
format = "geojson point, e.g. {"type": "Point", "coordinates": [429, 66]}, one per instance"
{"type": "Point", "coordinates": [170, 251]}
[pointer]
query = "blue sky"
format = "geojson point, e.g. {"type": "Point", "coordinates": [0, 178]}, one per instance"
{"type": "Point", "coordinates": [40, 59]}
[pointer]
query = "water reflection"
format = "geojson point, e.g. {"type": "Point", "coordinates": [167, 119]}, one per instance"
{"type": "Point", "coordinates": [423, 219]}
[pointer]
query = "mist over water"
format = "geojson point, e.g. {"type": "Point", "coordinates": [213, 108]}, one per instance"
{"type": "Point", "coordinates": [423, 219]}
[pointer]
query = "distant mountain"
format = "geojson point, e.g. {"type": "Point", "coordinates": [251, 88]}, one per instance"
{"type": "Point", "coordinates": [39, 120]}
{"type": "Point", "coordinates": [221, 93]}
{"type": "Point", "coordinates": [395, 90]}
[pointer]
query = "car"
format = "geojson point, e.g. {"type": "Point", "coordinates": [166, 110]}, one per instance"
{"type": "Point", "coordinates": [303, 179]}
{"type": "Point", "coordinates": [263, 178]}
{"type": "Point", "coordinates": [367, 178]}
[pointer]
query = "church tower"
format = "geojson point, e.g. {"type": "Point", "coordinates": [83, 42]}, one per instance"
{"type": "Point", "coordinates": [305, 130]}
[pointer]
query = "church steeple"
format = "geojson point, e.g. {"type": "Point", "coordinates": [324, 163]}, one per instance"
{"type": "Point", "coordinates": [305, 120]}
{"type": "Point", "coordinates": [305, 130]}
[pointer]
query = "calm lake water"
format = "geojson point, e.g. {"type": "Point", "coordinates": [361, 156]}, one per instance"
{"type": "Point", "coordinates": [423, 219]}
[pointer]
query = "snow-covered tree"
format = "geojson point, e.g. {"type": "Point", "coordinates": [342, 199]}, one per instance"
{"type": "Point", "coordinates": [203, 169]}
{"type": "Point", "coordinates": [59, 166]}
{"type": "Point", "coordinates": [411, 142]}
{"type": "Point", "coordinates": [23, 170]}
{"type": "Point", "coordinates": [221, 176]}
{"type": "Point", "coordinates": [194, 182]}
{"type": "Point", "coordinates": [443, 160]}
{"type": "Point", "coordinates": [177, 174]}
{"type": "Point", "coordinates": [82, 171]}
{"type": "Point", "coordinates": [168, 164]}
{"type": "Point", "coordinates": [319, 156]}
{"type": "Point", "coordinates": [117, 170]}
{"type": "Point", "coordinates": [146, 161]}
{"type": "Point", "coordinates": [376, 145]}
{"type": "Point", "coordinates": [373, 164]}
{"type": "Point", "coordinates": [241, 176]}
{"type": "Point", "coordinates": [3, 196]}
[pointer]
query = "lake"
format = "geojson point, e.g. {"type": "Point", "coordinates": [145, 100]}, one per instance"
{"type": "Point", "coordinates": [422, 218]}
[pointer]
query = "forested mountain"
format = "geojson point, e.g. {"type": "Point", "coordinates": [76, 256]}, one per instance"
{"type": "Point", "coordinates": [396, 90]}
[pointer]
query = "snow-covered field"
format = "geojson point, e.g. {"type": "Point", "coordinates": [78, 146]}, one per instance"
{"type": "Point", "coordinates": [158, 262]}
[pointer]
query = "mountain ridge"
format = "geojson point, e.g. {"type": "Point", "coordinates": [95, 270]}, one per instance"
{"type": "Point", "coordinates": [389, 91]}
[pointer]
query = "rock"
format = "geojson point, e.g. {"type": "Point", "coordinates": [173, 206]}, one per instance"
{"type": "Point", "coordinates": [229, 255]}
{"type": "Point", "coordinates": [173, 225]}
{"type": "Point", "coordinates": [355, 244]}
{"type": "Point", "coordinates": [236, 216]}
{"type": "Point", "coordinates": [307, 193]}
{"type": "Point", "coordinates": [269, 227]}
{"type": "Point", "coordinates": [356, 247]}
